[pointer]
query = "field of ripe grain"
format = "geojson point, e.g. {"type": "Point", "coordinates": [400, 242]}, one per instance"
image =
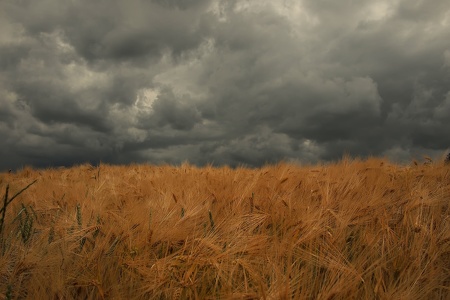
{"type": "Point", "coordinates": [351, 230]}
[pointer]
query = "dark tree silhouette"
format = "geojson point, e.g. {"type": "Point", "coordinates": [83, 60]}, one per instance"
{"type": "Point", "coordinates": [447, 159]}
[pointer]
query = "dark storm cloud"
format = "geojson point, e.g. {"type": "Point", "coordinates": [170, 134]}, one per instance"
{"type": "Point", "coordinates": [113, 30]}
{"type": "Point", "coordinates": [225, 82]}
{"type": "Point", "coordinates": [168, 109]}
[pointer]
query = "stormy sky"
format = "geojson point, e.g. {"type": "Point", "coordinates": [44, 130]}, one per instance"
{"type": "Point", "coordinates": [223, 82]}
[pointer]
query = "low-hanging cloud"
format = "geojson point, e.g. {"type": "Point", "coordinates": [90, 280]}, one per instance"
{"type": "Point", "coordinates": [223, 82]}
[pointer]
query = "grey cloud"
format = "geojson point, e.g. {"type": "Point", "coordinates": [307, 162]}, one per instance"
{"type": "Point", "coordinates": [228, 82]}
{"type": "Point", "coordinates": [168, 109]}
{"type": "Point", "coordinates": [423, 11]}
{"type": "Point", "coordinates": [252, 149]}
{"type": "Point", "coordinates": [116, 30]}
{"type": "Point", "coordinates": [326, 112]}
{"type": "Point", "coordinates": [10, 55]}
{"type": "Point", "coordinates": [182, 4]}
{"type": "Point", "coordinates": [425, 119]}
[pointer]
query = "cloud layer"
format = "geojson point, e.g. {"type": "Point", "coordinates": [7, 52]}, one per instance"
{"type": "Point", "coordinates": [223, 82]}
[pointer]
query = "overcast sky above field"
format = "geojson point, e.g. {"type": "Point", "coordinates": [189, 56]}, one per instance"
{"type": "Point", "coordinates": [223, 82]}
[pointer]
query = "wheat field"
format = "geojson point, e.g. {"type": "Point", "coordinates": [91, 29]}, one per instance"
{"type": "Point", "coordinates": [355, 229]}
